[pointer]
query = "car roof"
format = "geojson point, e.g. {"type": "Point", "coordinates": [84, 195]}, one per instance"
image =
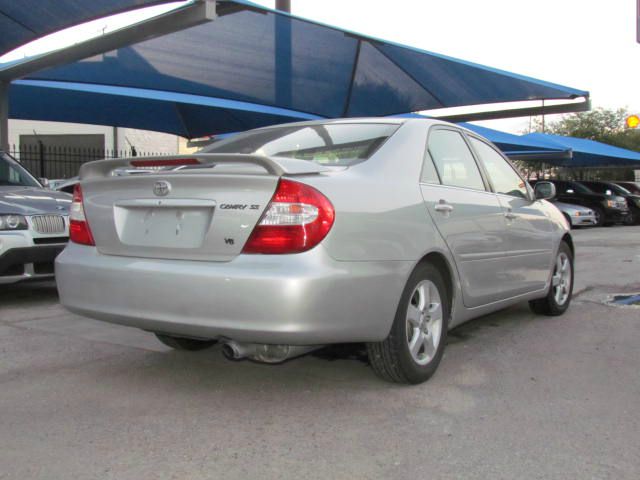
{"type": "Point", "coordinates": [366, 120]}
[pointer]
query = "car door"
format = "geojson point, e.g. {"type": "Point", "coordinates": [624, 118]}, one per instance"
{"type": "Point", "coordinates": [467, 214]}
{"type": "Point", "coordinates": [529, 230]}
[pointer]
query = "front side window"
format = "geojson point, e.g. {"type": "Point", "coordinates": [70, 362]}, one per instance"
{"type": "Point", "coordinates": [13, 174]}
{"type": "Point", "coordinates": [453, 160]}
{"type": "Point", "coordinates": [504, 178]}
{"type": "Point", "coordinates": [338, 144]}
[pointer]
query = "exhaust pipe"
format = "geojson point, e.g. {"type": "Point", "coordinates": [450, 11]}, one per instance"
{"type": "Point", "coordinates": [234, 351]}
{"type": "Point", "coordinates": [264, 353]}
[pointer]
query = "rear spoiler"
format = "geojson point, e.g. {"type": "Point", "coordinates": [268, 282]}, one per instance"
{"type": "Point", "coordinates": [277, 166]}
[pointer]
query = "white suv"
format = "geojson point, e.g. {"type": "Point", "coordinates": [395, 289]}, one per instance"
{"type": "Point", "coordinates": [34, 224]}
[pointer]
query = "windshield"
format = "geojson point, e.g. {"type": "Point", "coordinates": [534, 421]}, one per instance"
{"type": "Point", "coordinates": [620, 190]}
{"type": "Point", "coordinates": [610, 187]}
{"type": "Point", "coordinates": [14, 174]}
{"type": "Point", "coordinates": [330, 144]}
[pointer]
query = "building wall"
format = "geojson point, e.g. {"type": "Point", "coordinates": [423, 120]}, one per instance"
{"type": "Point", "coordinates": [143, 140]}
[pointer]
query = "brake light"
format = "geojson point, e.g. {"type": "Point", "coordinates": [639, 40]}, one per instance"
{"type": "Point", "coordinates": [79, 231]}
{"type": "Point", "coordinates": [164, 162]}
{"type": "Point", "coordinates": [296, 220]}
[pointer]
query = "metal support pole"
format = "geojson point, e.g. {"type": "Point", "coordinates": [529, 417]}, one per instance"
{"type": "Point", "coordinates": [4, 116]}
{"type": "Point", "coordinates": [284, 87]}
{"type": "Point", "coordinates": [283, 5]}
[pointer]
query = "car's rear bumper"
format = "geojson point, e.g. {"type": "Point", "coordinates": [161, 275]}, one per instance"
{"type": "Point", "coordinates": [302, 299]}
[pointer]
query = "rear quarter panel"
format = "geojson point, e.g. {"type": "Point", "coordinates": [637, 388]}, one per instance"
{"type": "Point", "coordinates": [380, 212]}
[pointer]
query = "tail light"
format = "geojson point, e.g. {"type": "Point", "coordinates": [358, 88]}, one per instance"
{"type": "Point", "coordinates": [296, 220]}
{"type": "Point", "coordinates": [79, 231]}
{"type": "Point", "coordinates": [163, 162]}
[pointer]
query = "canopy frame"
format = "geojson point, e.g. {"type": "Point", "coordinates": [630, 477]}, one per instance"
{"type": "Point", "coordinates": [196, 13]}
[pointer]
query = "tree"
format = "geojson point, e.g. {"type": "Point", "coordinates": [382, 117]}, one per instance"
{"type": "Point", "coordinates": [602, 125]}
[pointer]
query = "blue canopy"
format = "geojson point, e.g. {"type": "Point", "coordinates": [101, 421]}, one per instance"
{"type": "Point", "coordinates": [511, 145]}
{"type": "Point", "coordinates": [589, 153]}
{"type": "Point", "coordinates": [518, 145]}
{"type": "Point", "coordinates": [22, 21]}
{"type": "Point", "coordinates": [190, 116]}
{"type": "Point", "coordinates": [262, 57]}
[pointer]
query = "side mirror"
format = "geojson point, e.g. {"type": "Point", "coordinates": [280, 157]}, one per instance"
{"type": "Point", "coordinates": [44, 182]}
{"type": "Point", "coordinates": [544, 190]}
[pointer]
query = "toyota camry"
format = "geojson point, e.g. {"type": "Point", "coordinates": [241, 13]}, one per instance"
{"type": "Point", "coordinates": [280, 240]}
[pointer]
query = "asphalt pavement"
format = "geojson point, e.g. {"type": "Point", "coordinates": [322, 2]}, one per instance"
{"type": "Point", "coordinates": [517, 396]}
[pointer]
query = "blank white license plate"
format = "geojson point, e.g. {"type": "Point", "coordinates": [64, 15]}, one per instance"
{"type": "Point", "coordinates": [163, 226]}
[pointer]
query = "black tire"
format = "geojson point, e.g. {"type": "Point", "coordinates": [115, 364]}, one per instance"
{"type": "Point", "coordinates": [630, 219]}
{"type": "Point", "coordinates": [549, 305]}
{"type": "Point", "coordinates": [180, 343]}
{"type": "Point", "coordinates": [599, 213]}
{"type": "Point", "coordinates": [568, 220]}
{"type": "Point", "coordinates": [391, 359]}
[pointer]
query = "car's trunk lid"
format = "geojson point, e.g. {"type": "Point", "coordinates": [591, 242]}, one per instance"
{"type": "Point", "coordinates": [201, 211]}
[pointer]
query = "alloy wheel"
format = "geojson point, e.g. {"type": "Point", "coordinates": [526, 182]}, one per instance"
{"type": "Point", "coordinates": [424, 322]}
{"type": "Point", "coordinates": [561, 279]}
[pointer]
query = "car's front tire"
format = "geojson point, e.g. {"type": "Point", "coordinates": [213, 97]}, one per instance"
{"type": "Point", "coordinates": [414, 347]}
{"type": "Point", "coordinates": [181, 343]}
{"type": "Point", "coordinates": [599, 214]}
{"type": "Point", "coordinates": [561, 289]}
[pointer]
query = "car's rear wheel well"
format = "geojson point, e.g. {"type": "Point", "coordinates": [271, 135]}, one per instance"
{"type": "Point", "coordinates": [440, 262]}
{"type": "Point", "coordinates": [569, 241]}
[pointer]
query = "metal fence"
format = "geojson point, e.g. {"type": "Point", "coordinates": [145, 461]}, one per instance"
{"type": "Point", "coordinates": [55, 162]}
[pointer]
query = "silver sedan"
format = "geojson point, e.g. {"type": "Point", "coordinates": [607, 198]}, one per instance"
{"type": "Point", "coordinates": [281, 240]}
{"type": "Point", "coordinates": [577, 215]}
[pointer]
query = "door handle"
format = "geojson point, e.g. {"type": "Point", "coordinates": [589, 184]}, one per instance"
{"type": "Point", "coordinates": [443, 207]}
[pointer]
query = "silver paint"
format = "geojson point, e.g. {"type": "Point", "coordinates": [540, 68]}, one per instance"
{"type": "Point", "coordinates": [346, 289]}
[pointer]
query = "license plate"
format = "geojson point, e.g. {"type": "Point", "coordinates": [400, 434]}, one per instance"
{"type": "Point", "coordinates": [164, 225]}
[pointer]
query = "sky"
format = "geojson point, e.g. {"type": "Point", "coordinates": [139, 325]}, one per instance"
{"type": "Point", "coordinates": [586, 44]}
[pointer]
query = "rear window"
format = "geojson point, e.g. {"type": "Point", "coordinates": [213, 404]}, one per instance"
{"type": "Point", "coordinates": [341, 144]}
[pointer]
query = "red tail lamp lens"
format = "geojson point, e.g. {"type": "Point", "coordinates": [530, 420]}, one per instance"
{"type": "Point", "coordinates": [79, 231]}
{"type": "Point", "coordinates": [296, 220]}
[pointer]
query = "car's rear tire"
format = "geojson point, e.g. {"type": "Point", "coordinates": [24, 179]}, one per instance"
{"type": "Point", "coordinates": [561, 289]}
{"type": "Point", "coordinates": [414, 347]}
{"type": "Point", "coordinates": [181, 343]}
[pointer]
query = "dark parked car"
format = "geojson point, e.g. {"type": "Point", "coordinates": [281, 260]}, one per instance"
{"type": "Point", "coordinates": [633, 187]}
{"type": "Point", "coordinates": [611, 188]}
{"type": "Point", "coordinates": [608, 209]}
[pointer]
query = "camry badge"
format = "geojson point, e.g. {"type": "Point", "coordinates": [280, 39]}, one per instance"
{"type": "Point", "coordinates": [161, 188]}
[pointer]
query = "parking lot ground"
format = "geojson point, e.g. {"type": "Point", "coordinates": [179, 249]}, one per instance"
{"type": "Point", "coordinates": [517, 396]}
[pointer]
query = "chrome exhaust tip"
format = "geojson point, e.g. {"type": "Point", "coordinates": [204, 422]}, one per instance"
{"type": "Point", "coordinates": [264, 353]}
{"type": "Point", "coordinates": [233, 351]}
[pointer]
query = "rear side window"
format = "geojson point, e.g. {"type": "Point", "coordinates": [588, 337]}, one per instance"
{"type": "Point", "coordinates": [504, 178]}
{"type": "Point", "coordinates": [339, 144]}
{"type": "Point", "coordinates": [453, 159]}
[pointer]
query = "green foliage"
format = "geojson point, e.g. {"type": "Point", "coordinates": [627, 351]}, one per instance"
{"type": "Point", "coordinates": [602, 125]}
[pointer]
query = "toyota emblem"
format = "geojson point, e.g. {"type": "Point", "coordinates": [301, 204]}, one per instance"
{"type": "Point", "coordinates": [161, 188]}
